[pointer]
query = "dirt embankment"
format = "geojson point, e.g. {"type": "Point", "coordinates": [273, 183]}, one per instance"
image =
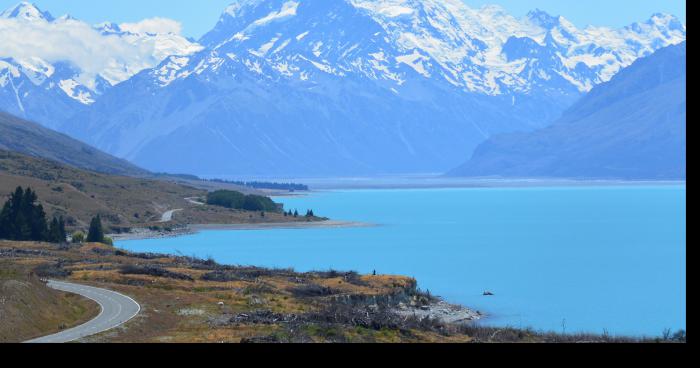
{"type": "Point", "coordinates": [29, 309]}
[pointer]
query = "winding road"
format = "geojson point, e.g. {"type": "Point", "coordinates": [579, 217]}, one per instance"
{"type": "Point", "coordinates": [116, 309]}
{"type": "Point", "coordinates": [168, 216]}
{"type": "Point", "coordinates": [194, 200]}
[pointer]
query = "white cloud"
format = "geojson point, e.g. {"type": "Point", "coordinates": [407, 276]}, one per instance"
{"type": "Point", "coordinates": [114, 57]}
{"type": "Point", "coordinates": [154, 25]}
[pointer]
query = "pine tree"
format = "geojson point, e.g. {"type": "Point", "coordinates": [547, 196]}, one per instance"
{"type": "Point", "coordinates": [96, 233]}
{"type": "Point", "coordinates": [296, 213]}
{"type": "Point", "coordinates": [22, 215]}
{"type": "Point", "coordinates": [5, 222]}
{"type": "Point", "coordinates": [54, 232]}
{"type": "Point", "coordinates": [21, 219]}
{"type": "Point", "coordinates": [57, 231]}
{"type": "Point", "coordinates": [37, 223]}
{"type": "Point", "coordinates": [62, 228]}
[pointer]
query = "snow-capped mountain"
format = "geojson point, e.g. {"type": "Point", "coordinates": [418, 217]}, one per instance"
{"type": "Point", "coordinates": [341, 87]}
{"type": "Point", "coordinates": [632, 127]}
{"type": "Point", "coordinates": [27, 12]}
{"type": "Point", "coordinates": [480, 50]}
{"type": "Point", "coordinates": [52, 67]}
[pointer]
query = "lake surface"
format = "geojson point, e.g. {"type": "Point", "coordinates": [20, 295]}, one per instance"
{"type": "Point", "coordinates": [574, 259]}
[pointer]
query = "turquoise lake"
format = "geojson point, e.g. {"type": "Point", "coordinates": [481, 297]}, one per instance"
{"type": "Point", "coordinates": [573, 259]}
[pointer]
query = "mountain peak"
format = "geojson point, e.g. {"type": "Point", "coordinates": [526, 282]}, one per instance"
{"type": "Point", "coordinates": [66, 17]}
{"type": "Point", "coordinates": [666, 21]}
{"type": "Point", "coordinates": [108, 28]}
{"type": "Point", "coordinates": [543, 19]}
{"type": "Point", "coordinates": [26, 11]}
{"type": "Point", "coordinates": [236, 7]}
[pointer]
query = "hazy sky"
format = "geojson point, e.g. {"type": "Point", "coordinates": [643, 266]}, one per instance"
{"type": "Point", "coordinates": [197, 17]}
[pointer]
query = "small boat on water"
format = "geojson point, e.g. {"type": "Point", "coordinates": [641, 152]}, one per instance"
{"type": "Point", "coordinates": [488, 293]}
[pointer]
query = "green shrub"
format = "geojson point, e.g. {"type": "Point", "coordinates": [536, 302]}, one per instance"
{"type": "Point", "coordinates": [240, 201]}
{"type": "Point", "coordinates": [78, 237]}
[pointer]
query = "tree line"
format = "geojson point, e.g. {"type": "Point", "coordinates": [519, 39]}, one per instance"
{"type": "Point", "coordinates": [240, 201]}
{"type": "Point", "coordinates": [309, 213]}
{"type": "Point", "coordinates": [264, 185]}
{"type": "Point", "coordinates": [23, 219]}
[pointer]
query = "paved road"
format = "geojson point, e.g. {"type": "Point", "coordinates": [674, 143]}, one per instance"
{"type": "Point", "coordinates": [168, 216]}
{"type": "Point", "coordinates": [117, 309]}
{"type": "Point", "coordinates": [194, 200]}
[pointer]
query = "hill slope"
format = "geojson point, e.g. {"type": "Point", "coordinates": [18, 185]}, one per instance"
{"type": "Point", "coordinates": [29, 309]}
{"type": "Point", "coordinates": [633, 127]}
{"type": "Point", "coordinates": [122, 202]}
{"type": "Point", "coordinates": [78, 194]}
{"type": "Point", "coordinates": [31, 139]}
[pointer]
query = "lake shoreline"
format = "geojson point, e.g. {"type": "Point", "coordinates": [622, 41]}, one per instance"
{"type": "Point", "coordinates": [436, 236]}
{"type": "Point", "coordinates": [146, 233]}
{"type": "Point", "coordinates": [440, 182]}
{"type": "Point", "coordinates": [438, 309]}
{"type": "Point", "coordinates": [443, 311]}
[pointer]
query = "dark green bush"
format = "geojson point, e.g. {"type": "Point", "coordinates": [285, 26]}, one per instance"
{"type": "Point", "coordinates": [240, 201]}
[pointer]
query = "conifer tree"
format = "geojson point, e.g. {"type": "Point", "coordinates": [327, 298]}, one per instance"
{"type": "Point", "coordinates": [96, 233]}
{"type": "Point", "coordinates": [57, 231]}
{"type": "Point", "coordinates": [21, 219]}
{"type": "Point", "coordinates": [54, 231]}
{"type": "Point", "coordinates": [62, 228]}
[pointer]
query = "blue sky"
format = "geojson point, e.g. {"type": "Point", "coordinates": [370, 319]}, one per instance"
{"type": "Point", "coordinates": [200, 16]}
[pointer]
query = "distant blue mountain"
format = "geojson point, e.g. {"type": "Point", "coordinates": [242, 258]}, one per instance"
{"type": "Point", "coordinates": [357, 87]}
{"type": "Point", "coordinates": [633, 127]}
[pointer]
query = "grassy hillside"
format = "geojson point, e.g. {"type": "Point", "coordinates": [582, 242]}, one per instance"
{"type": "Point", "coordinates": [32, 139]}
{"type": "Point", "coordinates": [122, 202]}
{"type": "Point", "coordinates": [29, 309]}
{"type": "Point", "coordinates": [78, 195]}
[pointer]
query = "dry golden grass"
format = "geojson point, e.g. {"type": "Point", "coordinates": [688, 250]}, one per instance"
{"type": "Point", "coordinates": [122, 202]}
{"type": "Point", "coordinates": [176, 310]}
{"type": "Point", "coordinates": [165, 301]}
{"type": "Point", "coordinates": [29, 309]}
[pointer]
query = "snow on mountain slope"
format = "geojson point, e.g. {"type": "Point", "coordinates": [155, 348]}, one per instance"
{"type": "Point", "coordinates": [358, 86]}
{"type": "Point", "coordinates": [479, 50]}
{"type": "Point", "coordinates": [632, 127]}
{"type": "Point", "coordinates": [27, 12]}
{"type": "Point", "coordinates": [44, 57]}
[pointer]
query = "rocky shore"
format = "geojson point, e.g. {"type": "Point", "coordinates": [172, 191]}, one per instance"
{"type": "Point", "coordinates": [440, 310]}
{"type": "Point", "coordinates": [152, 233]}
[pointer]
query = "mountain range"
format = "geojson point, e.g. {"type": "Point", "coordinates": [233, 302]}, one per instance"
{"type": "Point", "coordinates": [632, 127]}
{"type": "Point", "coordinates": [342, 87]}
{"type": "Point", "coordinates": [51, 68]}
